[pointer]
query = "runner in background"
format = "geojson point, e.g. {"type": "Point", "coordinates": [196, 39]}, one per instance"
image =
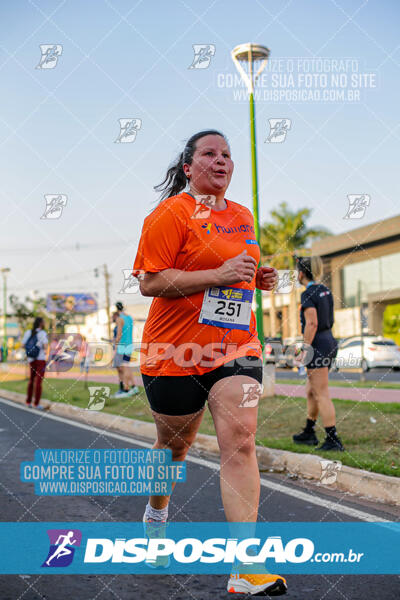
{"type": "Point", "coordinates": [123, 350]}
{"type": "Point", "coordinates": [199, 257]}
{"type": "Point", "coordinates": [35, 342]}
{"type": "Point", "coordinates": [316, 316]}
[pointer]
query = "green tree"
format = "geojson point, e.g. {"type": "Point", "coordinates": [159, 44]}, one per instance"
{"type": "Point", "coordinates": [35, 306]}
{"type": "Point", "coordinates": [286, 233]}
{"type": "Point", "coordinates": [391, 322]}
{"type": "Point", "coordinates": [26, 311]}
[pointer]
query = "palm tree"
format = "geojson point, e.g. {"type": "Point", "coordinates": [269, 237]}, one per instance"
{"type": "Point", "coordinates": [280, 239]}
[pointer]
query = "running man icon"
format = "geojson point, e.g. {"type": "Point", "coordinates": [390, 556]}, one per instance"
{"type": "Point", "coordinates": [62, 542]}
{"type": "Point", "coordinates": [64, 353]}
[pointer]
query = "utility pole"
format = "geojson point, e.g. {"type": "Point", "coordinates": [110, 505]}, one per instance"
{"type": "Point", "coordinates": [250, 60]}
{"type": "Point", "coordinates": [107, 279]}
{"type": "Point", "coordinates": [4, 272]}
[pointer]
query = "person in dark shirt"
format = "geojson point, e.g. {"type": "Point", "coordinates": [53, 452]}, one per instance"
{"type": "Point", "coordinates": [319, 350]}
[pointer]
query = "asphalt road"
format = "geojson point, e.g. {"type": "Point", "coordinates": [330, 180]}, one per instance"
{"type": "Point", "coordinates": [382, 375]}
{"type": "Point", "coordinates": [23, 430]}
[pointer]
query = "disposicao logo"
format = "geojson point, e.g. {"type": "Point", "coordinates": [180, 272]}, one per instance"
{"type": "Point", "coordinates": [62, 550]}
{"type": "Point", "coordinates": [191, 550]}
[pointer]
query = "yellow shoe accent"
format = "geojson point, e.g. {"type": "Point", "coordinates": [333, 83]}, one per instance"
{"type": "Point", "coordinates": [257, 584]}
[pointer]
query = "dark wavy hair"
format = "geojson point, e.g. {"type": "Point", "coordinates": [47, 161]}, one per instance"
{"type": "Point", "coordinates": [38, 322]}
{"type": "Point", "coordinates": [175, 180]}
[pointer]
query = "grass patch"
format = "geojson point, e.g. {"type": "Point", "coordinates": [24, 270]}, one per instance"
{"type": "Point", "coordinates": [370, 432]}
{"type": "Point", "coordinates": [74, 392]}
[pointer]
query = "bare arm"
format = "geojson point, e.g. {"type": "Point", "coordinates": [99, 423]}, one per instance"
{"type": "Point", "coordinates": [310, 329]}
{"type": "Point", "coordinates": [174, 283]}
{"type": "Point", "coordinates": [120, 324]}
{"type": "Point", "coordinates": [45, 345]}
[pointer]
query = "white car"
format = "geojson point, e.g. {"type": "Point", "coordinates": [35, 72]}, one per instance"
{"type": "Point", "coordinates": [377, 352]}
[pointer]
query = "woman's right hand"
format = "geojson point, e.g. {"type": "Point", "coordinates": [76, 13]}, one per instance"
{"type": "Point", "coordinates": [239, 268]}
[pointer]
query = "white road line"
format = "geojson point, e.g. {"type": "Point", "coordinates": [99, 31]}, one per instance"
{"type": "Point", "coordinates": [272, 485]}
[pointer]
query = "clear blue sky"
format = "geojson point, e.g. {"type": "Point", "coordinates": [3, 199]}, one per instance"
{"type": "Point", "coordinates": [125, 59]}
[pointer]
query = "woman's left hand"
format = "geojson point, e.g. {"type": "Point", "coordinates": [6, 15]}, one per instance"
{"type": "Point", "coordinates": [266, 278]}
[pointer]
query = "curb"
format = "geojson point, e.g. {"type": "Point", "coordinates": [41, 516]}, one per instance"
{"type": "Point", "coordinates": [373, 486]}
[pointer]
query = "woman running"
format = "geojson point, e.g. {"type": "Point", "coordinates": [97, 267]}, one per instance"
{"type": "Point", "coordinates": [198, 258]}
{"type": "Point", "coordinates": [316, 314]}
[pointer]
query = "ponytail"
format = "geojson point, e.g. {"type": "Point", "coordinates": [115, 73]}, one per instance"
{"type": "Point", "coordinates": [311, 266]}
{"type": "Point", "coordinates": [175, 180]}
{"type": "Point", "coordinates": [317, 268]}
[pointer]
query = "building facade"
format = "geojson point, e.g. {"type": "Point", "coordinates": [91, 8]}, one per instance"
{"type": "Point", "coordinates": [362, 268]}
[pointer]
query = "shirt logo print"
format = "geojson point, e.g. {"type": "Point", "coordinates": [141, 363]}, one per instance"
{"type": "Point", "coordinates": [207, 226]}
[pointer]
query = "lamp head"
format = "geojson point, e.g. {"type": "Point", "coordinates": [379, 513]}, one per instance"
{"type": "Point", "coordinates": [250, 61]}
{"type": "Point", "coordinates": [250, 52]}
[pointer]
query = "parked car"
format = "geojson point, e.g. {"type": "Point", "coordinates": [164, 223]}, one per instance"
{"type": "Point", "coordinates": [272, 349]}
{"type": "Point", "coordinates": [377, 352]}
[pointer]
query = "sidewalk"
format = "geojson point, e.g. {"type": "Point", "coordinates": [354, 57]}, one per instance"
{"type": "Point", "coordinates": [343, 393]}
{"type": "Point", "coordinates": [281, 389]}
{"type": "Point", "coordinates": [291, 390]}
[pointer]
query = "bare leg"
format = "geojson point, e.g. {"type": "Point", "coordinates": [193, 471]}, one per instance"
{"type": "Point", "coordinates": [176, 433]}
{"type": "Point", "coordinates": [120, 372]}
{"type": "Point", "coordinates": [236, 429]}
{"type": "Point", "coordinates": [312, 404]}
{"type": "Point", "coordinates": [319, 384]}
{"type": "Point", "coordinates": [127, 377]}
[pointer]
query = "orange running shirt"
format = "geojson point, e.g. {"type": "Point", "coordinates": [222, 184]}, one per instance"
{"type": "Point", "coordinates": [177, 235]}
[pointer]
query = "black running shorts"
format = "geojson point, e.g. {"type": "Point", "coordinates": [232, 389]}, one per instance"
{"type": "Point", "coordinates": [187, 394]}
{"type": "Point", "coordinates": [325, 349]}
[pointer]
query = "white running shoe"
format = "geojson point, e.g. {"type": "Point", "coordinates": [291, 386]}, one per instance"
{"type": "Point", "coordinates": [156, 529]}
{"type": "Point", "coordinates": [133, 391]}
{"type": "Point", "coordinates": [121, 394]}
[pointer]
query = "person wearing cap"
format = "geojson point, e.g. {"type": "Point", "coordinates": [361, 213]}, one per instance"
{"type": "Point", "coordinates": [318, 351]}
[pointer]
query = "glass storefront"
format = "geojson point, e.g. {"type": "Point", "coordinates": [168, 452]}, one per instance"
{"type": "Point", "coordinates": [376, 275]}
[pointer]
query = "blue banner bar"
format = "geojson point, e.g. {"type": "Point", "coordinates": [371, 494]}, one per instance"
{"type": "Point", "coordinates": [199, 548]}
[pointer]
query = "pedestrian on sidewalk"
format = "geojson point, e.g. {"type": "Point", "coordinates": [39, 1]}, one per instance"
{"type": "Point", "coordinates": [35, 343]}
{"type": "Point", "coordinates": [122, 352]}
{"type": "Point", "coordinates": [316, 315]}
{"type": "Point", "coordinates": [85, 358]}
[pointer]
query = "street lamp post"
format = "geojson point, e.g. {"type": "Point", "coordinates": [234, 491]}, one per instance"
{"type": "Point", "coordinates": [4, 272]}
{"type": "Point", "coordinates": [359, 294]}
{"type": "Point", "coordinates": [254, 57]}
